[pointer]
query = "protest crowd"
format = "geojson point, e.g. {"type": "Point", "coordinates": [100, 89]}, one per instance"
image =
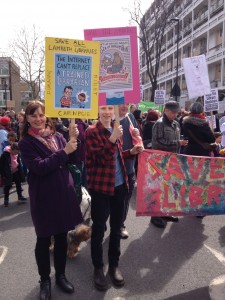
{"type": "Point", "coordinates": [39, 150]}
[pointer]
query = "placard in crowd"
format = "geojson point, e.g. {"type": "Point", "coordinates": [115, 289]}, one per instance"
{"type": "Point", "coordinates": [71, 76]}
{"type": "Point", "coordinates": [119, 80]}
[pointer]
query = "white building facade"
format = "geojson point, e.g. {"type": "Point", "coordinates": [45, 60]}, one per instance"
{"type": "Point", "coordinates": [202, 31]}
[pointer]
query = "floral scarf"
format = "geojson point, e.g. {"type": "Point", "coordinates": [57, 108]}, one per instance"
{"type": "Point", "coordinates": [45, 136]}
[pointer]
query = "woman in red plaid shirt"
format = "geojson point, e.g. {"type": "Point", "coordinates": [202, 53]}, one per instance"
{"type": "Point", "coordinates": [107, 184]}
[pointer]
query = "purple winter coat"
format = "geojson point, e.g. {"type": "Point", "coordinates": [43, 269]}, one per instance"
{"type": "Point", "coordinates": [54, 208]}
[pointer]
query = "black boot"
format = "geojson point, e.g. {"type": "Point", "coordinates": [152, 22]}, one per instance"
{"type": "Point", "coordinates": [100, 281]}
{"type": "Point", "coordinates": [116, 276]}
{"type": "Point", "coordinates": [6, 202]}
{"type": "Point", "coordinates": [45, 289]}
{"type": "Point", "coordinates": [159, 222]}
{"type": "Point", "coordinates": [64, 284]}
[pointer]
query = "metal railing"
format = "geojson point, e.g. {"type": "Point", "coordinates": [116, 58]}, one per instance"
{"type": "Point", "coordinates": [216, 7]}
{"type": "Point", "coordinates": [201, 19]}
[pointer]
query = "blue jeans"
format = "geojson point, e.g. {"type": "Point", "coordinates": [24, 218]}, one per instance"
{"type": "Point", "coordinates": [103, 206]}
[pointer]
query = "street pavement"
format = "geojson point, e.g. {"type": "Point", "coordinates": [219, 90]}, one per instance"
{"type": "Point", "coordinates": [185, 261]}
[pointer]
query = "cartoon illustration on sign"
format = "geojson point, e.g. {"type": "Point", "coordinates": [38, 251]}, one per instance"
{"type": "Point", "coordinates": [119, 78]}
{"type": "Point", "coordinates": [113, 63]}
{"type": "Point", "coordinates": [115, 69]}
{"type": "Point", "coordinates": [66, 99]}
{"type": "Point", "coordinates": [73, 80]}
{"type": "Point", "coordinates": [82, 99]}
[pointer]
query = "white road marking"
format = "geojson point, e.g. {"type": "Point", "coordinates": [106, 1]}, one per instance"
{"type": "Point", "coordinates": [217, 254]}
{"type": "Point", "coordinates": [217, 288]}
{"type": "Point", "coordinates": [4, 252]}
{"type": "Point", "coordinates": [217, 285]}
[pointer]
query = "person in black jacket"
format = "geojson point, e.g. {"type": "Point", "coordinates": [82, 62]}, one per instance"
{"type": "Point", "coordinates": [11, 171]}
{"type": "Point", "coordinates": [196, 128]}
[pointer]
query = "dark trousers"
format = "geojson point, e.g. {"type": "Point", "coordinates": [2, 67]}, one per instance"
{"type": "Point", "coordinates": [17, 180]}
{"type": "Point", "coordinates": [103, 206]}
{"type": "Point", "coordinates": [43, 256]}
{"type": "Point", "coordinates": [131, 182]}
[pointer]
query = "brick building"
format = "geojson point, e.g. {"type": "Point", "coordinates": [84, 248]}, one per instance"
{"type": "Point", "coordinates": [14, 93]}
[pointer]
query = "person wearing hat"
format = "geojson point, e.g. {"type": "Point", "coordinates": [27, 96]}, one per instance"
{"type": "Point", "coordinates": [166, 137]}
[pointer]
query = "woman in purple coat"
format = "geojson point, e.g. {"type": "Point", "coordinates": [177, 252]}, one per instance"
{"type": "Point", "coordinates": [54, 208]}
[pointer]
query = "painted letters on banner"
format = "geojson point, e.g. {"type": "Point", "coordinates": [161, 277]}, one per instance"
{"type": "Point", "coordinates": [179, 185]}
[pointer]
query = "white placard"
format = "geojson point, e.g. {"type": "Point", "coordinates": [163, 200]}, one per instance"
{"type": "Point", "coordinates": [159, 97]}
{"type": "Point", "coordinates": [196, 75]}
{"type": "Point", "coordinates": [210, 119]}
{"type": "Point", "coordinates": [221, 121]}
{"type": "Point", "coordinates": [211, 101]}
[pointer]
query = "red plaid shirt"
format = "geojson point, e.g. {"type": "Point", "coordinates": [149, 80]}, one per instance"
{"type": "Point", "coordinates": [100, 159]}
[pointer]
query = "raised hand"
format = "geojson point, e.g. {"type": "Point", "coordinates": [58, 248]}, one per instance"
{"type": "Point", "coordinates": [117, 133]}
{"type": "Point", "coordinates": [71, 146]}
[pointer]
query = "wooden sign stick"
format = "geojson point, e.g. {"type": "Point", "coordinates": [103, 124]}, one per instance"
{"type": "Point", "coordinates": [72, 122]}
{"type": "Point", "coordinates": [211, 113]}
{"type": "Point", "coordinates": [117, 116]}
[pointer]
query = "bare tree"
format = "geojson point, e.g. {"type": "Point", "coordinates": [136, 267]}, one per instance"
{"type": "Point", "coordinates": [152, 27]}
{"type": "Point", "coordinates": [28, 51]}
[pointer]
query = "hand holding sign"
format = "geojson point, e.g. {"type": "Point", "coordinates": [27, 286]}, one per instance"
{"type": "Point", "coordinates": [73, 130]}
{"type": "Point", "coordinates": [137, 149]}
{"type": "Point", "coordinates": [117, 133]}
{"type": "Point", "coordinates": [71, 146]}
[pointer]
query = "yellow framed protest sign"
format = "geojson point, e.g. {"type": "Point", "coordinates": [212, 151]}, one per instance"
{"type": "Point", "coordinates": [71, 78]}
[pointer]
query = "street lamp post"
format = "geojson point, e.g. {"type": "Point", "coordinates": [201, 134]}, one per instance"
{"type": "Point", "coordinates": [176, 88]}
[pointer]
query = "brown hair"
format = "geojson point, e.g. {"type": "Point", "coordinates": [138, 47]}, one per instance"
{"type": "Point", "coordinates": [30, 110]}
{"type": "Point", "coordinates": [152, 115]}
{"type": "Point", "coordinates": [14, 146]}
{"type": "Point", "coordinates": [12, 134]}
{"type": "Point", "coordinates": [21, 113]}
{"type": "Point", "coordinates": [217, 134]}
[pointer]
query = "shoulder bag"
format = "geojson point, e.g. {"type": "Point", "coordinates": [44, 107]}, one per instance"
{"type": "Point", "coordinates": [76, 174]}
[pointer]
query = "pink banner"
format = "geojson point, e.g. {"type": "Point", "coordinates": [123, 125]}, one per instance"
{"type": "Point", "coordinates": [119, 80]}
{"type": "Point", "coordinates": [170, 184]}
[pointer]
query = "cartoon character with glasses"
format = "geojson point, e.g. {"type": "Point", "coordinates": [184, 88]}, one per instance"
{"type": "Point", "coordinates": [66, 99]}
